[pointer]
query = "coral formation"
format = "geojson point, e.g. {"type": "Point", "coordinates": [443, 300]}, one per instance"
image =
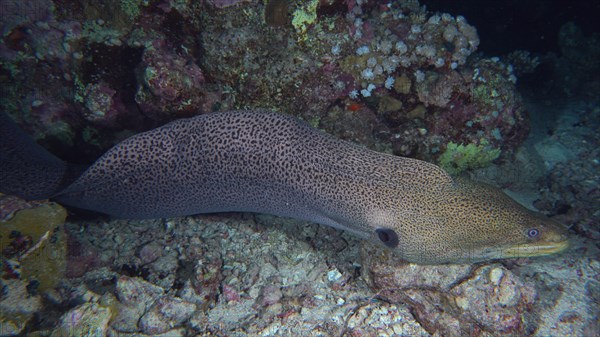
{"type": "Point", "coordinates": [143, 66]}
{"type": "Point", "coordinates": [87, 319]}
{"type": "Point", "coordinates": [456, 300]}
{"type": "Point", "coordinates": [171, 86]}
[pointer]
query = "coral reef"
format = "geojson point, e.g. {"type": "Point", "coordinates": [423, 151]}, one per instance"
{"type": "Point", "coordinates": [171, 86]}
{"type": "Point", "coordinates": [396, 52]}
{"type": "Point", "coordinates": [102, 105]}
{"type": "Point", "coordinates": [137, 65]}
{"type": "Point", "coordinates": [392, 76]}
{"type": "Point", "coordinates": [570, 188]}
{"type": "Point", "coordinates": [17, 306]}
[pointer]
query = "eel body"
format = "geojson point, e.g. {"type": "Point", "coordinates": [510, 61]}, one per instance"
{"type": "Point", "coordinates": [264, 162]}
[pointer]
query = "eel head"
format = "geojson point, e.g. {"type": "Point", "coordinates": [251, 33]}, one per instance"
{"type": "Point", "coordinates": [470, 222]}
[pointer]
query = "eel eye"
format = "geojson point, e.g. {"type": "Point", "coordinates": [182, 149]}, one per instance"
{"type": "Point", "coordinates": [533, 233]}
{"type": "Point", "coordinates": [388, 237]}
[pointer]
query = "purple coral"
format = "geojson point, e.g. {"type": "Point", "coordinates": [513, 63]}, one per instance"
{"type": "Point", "coordinates": [102, 104]}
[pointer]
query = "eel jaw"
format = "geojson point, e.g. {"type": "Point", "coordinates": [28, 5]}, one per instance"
{"type": "Point", "coordinates": [523, 250]}
{"type": "Point", "coordinates": [536, 249]}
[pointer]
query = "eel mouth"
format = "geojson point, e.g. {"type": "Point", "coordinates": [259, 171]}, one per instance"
{"type": "Point", "coordinates": [536, 249]}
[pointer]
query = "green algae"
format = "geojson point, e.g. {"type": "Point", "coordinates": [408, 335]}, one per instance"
{"type": "Point", "coordinates": [459, 157]}
{"type": "Point", "coordinates": [304, 17]}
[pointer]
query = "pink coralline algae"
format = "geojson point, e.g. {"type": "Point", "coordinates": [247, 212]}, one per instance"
{"type": "Point", "coordinates": [172, 86]}
{"type": "Point", "coordinates": [479, 103]}
{"type": "Point", "coordinates": [135, 291]}
{"type": "Point", "coordinates": [103, 105]}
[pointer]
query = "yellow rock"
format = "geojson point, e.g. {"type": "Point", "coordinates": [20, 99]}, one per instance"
{"type": "Point", "coordinates": [402, 84]}
{"type": "Point", "coordinates": [44, 259]}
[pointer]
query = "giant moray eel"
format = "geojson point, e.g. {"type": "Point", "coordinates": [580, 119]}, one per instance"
{"type": "Point", "coordinates": [258, 161]}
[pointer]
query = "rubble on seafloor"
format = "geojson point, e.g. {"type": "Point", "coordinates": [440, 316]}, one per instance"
{"type": "Point", "coordinates": [262, 275]}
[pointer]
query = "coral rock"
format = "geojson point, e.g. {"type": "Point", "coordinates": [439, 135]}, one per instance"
{"type": "Point", "coordinates": [88, 319]}
{"type": "Point", "coordinates": [136, 291]}
{"type": "Point", "coordinates": [17, 307]}
{"type": "Point", "coordinates": [172, 86]}
{"type": "Point", "coordinates": [454, 299]}
{"type": "Point", "coordinates": [165, 314]}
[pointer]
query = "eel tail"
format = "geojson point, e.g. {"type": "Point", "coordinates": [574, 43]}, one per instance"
{"type": "Point", "coordinates": [28, 170]}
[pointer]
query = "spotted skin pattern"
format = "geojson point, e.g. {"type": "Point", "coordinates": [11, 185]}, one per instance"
{"type": "Point", "coordinates": [264, 162]}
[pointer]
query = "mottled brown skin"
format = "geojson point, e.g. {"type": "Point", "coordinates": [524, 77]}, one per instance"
{"type": "Point", "coordinates": [471, 222]}
{"type": "Point", "coordinates": [257, 161]}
